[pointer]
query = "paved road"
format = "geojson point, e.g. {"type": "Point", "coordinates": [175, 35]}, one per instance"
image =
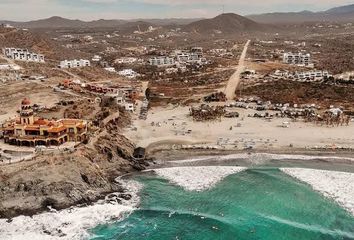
{"type": "Point", "coordinates": [234, 80]}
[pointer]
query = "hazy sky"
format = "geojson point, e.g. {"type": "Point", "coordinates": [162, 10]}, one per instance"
{"type": "Point", "coordinates": [124, 9]}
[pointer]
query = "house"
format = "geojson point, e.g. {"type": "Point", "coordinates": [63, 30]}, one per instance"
{"type": "Point", "coordinates": [129, 107]}
{"type": "Point", "coordinates": [74, 63]}
{"type": "Point", "coordinates": [119, 96]}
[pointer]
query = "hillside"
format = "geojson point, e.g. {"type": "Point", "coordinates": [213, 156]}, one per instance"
{"type": "Point", "coordinates": [228, 23]}
{"type": "Point", "coordinates": [39, 43]}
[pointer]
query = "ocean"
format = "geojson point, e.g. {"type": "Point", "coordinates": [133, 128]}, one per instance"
{"type": "Point", "coordinates": [259, 203]}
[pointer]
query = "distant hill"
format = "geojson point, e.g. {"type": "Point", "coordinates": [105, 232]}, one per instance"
{"type": "Point", "coordinates": [228, 23]}
{"type": "Point", "coordinates": [169, 21]}
{"type": "Point", "coordinates": [59, 22]}
{"type": "Point", "coordinates": [338, 14]}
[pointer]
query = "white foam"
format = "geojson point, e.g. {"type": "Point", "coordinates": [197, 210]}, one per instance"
{"type": "Point", "coordinates": [338, 186]}
{"type": "Point", "coordinates": [72, 223]}
{"type": "Point", "coordinates": [197, 178]}
{"type": "Point", "coordinates": [262, 157]}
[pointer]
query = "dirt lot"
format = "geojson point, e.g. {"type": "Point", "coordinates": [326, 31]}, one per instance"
{"type": "Point", "coordinates": [303, 93]}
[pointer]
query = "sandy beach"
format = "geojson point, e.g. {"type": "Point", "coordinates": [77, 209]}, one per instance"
{"type": "Point", "coordinates": [171, 127]}
{"type": "Point", "coordinates": [338, 186]}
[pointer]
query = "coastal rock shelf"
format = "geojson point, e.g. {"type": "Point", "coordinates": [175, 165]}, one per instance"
{"type": "Point", "coordinates": [338, 186]}
{"type": "Point", "coordinates": [72, 223]}
{"type": "Point", "coordinates": [197, 178]}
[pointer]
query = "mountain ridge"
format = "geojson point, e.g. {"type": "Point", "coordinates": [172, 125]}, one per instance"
{"type": "Point", "coordinates": [337, 14]}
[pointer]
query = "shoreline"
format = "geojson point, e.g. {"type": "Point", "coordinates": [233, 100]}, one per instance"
{"type": "Point", "coordinates": [169, 158]}
{"type": "Point", "coordinates": [175, 155]}
{"type": "Point", "coordinates": [184, 179]}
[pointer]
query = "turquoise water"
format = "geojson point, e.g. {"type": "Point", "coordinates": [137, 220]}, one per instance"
{"type": "Point", "coordinates": [255, 204]}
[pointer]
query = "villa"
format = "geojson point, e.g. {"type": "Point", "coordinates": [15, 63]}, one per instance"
{"type": "Point", "coordinates": [31, 131]}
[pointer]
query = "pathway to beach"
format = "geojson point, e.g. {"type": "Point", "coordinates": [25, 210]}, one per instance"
{"type": "Point", "coordinates": [234, 80]}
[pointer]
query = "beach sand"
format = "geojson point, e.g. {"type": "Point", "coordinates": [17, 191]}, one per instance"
{"type": "Point", "coordinates": [171, 127]}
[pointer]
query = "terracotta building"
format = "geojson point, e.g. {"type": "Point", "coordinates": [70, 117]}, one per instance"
{"type": "Point", "coordinates": [29, 130]}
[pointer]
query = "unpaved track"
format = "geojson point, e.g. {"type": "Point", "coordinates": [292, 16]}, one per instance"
{"type": "Point", "coordinates": [234, 80]}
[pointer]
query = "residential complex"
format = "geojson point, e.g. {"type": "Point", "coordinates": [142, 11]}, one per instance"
{"type": "Point", "coordinates": [311, 75]}
{"type": "Point", "coordinates": [297, 59]}
{"type": "Point", "coordinates": [22, 55]}
{"type": "Point", "coordinates": [74, 63]}
{"type": "Point", "coordinates": [161, 61]}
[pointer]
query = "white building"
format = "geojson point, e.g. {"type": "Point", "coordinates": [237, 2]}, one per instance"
{"type": "Point", "coordinates": [195, 55]}
{"type": "Point", "coordinates": [88, 38]}
{"type": "Point", "coordinates": [96, 58]}
{"type": "Point", "coordinates": [297, 59]}
{"type": "Point", "coordinates": [126, 60]}
{"type": "Point", "coordinates": [311, 75]}
{"type": "Point", "coordinates": [128, 73]}
{"type": "Point", "coordinates": [161, 61]}
{"type": "Point", "coordinates": [6, 25]}
{"type": "Point", "coordinates": [22, 55]}
{"type": "Point", "coordinates": [74, 63]}
{"type": "Point", "coordinates": [110, 69]}
{"type": "Point", "coordinates": [198, 51]}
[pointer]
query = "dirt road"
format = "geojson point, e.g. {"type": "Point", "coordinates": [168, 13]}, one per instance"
{"type": "Point", "coordinates": [236, 77]}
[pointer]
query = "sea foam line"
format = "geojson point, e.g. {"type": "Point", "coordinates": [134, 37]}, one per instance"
{"type": "Point", "coordinates": [72, 223]}
{"type": "Point", "coordinates": [262, 156]}
{"type": "Point", "coordinates": [338, 186]}
{"type": "Point", "coordinates": [197, 178]}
